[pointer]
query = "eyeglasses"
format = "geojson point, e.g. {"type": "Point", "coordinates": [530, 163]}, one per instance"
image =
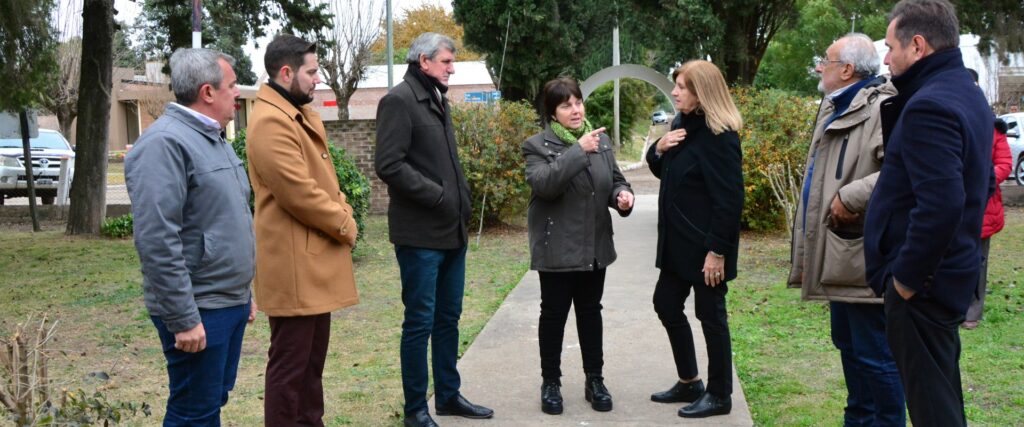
{"type": "Point", "coordinates": [822, 61]}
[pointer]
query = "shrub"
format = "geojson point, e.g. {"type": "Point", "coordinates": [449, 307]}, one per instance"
{"type": "Point", "coordinates": [777, 128]}
{"type": "Point", "coordinates": [490, 140]}
{"type": "Point", "coordinates": [27, 385]}
{"type": "Point", "coordinates": [353, 183]}
{"type": "Point", "coordinates": [117, 228]}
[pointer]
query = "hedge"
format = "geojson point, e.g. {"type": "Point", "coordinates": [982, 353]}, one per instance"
{"type": "Point", "coordinates": [777, 128]}
{"type": "Point", "coordinates": [490, 138]}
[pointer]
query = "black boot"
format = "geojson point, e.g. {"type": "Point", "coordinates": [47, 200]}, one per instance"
{"type": "Point", "coordinates": [551, 397]}
{"type": "Point", "coordinates": [680, 392]}
{"type": "Point", "coordinates": [597, 394]}
{"type": "Point", "coordinates": [706, 406]}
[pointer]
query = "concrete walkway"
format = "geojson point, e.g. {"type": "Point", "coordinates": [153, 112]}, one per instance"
{"type": "Point", "coordinates": [501, 369]}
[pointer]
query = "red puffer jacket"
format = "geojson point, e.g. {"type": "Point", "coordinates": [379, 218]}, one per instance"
{"type": "Point", "coordinates": [1003, 163]}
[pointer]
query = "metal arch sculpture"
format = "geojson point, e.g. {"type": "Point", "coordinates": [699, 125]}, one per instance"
{"type": "Point", "coordinates": [630, 71]}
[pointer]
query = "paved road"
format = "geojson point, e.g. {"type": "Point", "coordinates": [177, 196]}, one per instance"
{"type": "Point", "coordinates": [501, 368]}
{"type": "Point", "coordinates": [116, 195]}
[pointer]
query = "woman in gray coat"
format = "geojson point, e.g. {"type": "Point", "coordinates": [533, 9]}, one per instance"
{"type": "Point", "coordinates": [572, 171]}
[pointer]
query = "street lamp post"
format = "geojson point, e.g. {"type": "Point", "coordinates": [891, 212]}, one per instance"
{"type": "Point", "coordinates": [197, 13]}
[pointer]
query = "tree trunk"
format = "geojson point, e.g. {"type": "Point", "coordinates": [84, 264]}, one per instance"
{"type": "Point", "coordinates": [66, 117]}
{"type": "Point", "coordinates": [738, 55]}
{"type": "Point", "coordinates": [30, 180]}
{"type": "Point", "coordinates": [342, 100]}
{"type": "Point", "coordinates": [89, 188]}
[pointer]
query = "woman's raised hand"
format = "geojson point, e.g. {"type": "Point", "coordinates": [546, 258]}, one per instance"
{"type": "Point", "coordinates": [591, 141]}
{"type": "Point", "coordinates": [671, 139]}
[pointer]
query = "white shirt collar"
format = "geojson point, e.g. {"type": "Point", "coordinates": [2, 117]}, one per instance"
{"type": "Point", "coordinates": [206, 120]}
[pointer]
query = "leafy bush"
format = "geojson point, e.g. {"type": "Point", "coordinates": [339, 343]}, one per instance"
{"type": "Point", "coordinates": [777, 128]}
{"type": "Point", "coordinates": [353, 183]}
{"type": "Point", "coordinates": [490, 140]}
{"type": "Point", "coordinates": [117, 228]}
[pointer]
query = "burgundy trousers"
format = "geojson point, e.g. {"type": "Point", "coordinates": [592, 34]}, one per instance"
{"type": "Point", "coordinates": [294, 392]}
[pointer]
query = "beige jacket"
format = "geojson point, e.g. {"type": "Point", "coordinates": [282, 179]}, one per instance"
{"type": "Point", "coordinates": [849, 156]}
{"type": "Point", "coordinates": [304, 228]}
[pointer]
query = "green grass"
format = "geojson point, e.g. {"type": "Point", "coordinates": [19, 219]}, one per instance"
{"type": "Point", "coordinates": [92, 287]}
{"type": "Point", "coordinates": [784, 356]}
{"type": "Point", "coordinates": [115, 173]}
{"type": "Point", "coordinates": [791, 373]}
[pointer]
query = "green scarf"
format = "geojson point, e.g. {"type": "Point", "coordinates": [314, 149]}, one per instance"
{"type": "Point", "coordinates": [570, 136]}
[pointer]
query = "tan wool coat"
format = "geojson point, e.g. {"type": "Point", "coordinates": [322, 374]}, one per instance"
{"type": "Point", "coordinates": [849, 156]}
{"type": "Point", "coordinates": [304, 227]}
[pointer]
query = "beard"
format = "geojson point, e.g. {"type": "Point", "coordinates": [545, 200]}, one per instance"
{"type": "Point", "coordinates": [821, 87]}
{"type": "Point", "coordinates": [298, 95]}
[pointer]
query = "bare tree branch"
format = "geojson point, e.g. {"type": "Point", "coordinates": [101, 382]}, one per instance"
{"type": "Point", "coordinates": [345, 46]}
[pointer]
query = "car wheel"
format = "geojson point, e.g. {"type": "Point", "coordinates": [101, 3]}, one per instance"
{"type": "Point", "coordinates": [48, 200]}
{"type": "Point", "coordinates": [1019, 170]}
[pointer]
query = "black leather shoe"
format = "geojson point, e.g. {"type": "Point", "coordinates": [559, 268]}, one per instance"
{"type": "Point", "coordinates": [550, 398]}
{"type": "Point", "coordinates": [680, 392]}
{"type": "Point", "coordinates": [463, 408]}
{"type": "Point", "coordinates": [597, 394]}
{"type": "Point", "coordinates": [419, 418]}
{"type": "Point", "coordinates": [706, 406]}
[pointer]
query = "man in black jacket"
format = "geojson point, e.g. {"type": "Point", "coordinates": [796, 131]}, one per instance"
{"type": "Point", "coordinates": [923, 225]}
{"type": "Point", "coordinates": [418, 159]}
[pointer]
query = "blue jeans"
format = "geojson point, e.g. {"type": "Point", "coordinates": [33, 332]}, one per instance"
{"type": "Point", "coordinates": [432, 285]}
{"type": "Point", "coordinates": [200, 382]}
{"type": "Point", "coordinates": [874, 391]}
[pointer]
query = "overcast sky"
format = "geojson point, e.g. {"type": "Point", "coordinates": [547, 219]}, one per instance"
{"type": "Point", "coordinates": [129, 10]}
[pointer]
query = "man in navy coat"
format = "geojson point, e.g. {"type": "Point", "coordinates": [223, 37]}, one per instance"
{"type": "Point", "coordinates": [923, 225]}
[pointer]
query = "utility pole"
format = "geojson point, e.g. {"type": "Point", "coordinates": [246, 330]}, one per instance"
{"type": "Point", "coordinates": [615, 62]}
{"type": "Point", "coordinates": [197, 13]}
{"type": "Point", "coordinates": [391, 48]}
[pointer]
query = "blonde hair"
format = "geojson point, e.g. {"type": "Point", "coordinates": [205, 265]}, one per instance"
{"type": "Point", "coordinates": [704, 80]}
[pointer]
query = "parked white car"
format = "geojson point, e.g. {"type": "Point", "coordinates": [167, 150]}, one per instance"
{"type": "Point", "coordinates": [1014, 122]}
{"type": "Point", "coordinates": [47, 152]}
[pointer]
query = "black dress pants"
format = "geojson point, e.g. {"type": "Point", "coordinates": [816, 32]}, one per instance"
{"type": "Point", "coordinates": [669, 297]}
{"type": "Point", "coordinates": [559, 291]}
{"type": "Point", "coordinates": [925, 343]}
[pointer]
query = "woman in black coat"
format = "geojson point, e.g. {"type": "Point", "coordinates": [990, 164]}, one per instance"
{"type": "Point", "coordinates": [572, 171]}
{"type": "Point", "coordinates": [699, 163]}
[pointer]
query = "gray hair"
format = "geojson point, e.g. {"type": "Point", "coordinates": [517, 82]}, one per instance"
{"type": "Point", "coordinates": [428, 44]}
{"type": "Point", "coordinates": [193, 68]}
{"type": "Point", "coordinates": [935, 20]}
{"type": "Point", "coordinates": [859, 50]}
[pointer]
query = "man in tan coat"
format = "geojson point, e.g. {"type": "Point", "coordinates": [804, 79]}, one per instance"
{"type": "Point", "coordinates": [828, 246]}
{"type": "Point", "coordinates": [304, 233]}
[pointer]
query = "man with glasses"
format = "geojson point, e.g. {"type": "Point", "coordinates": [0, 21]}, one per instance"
{"type": "Point", "coordinates": [827, 253]}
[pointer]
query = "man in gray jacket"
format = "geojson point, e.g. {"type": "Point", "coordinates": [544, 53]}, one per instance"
{"type": "Point", "coordinates": [828, 246]}
{"type": "Point", "coordinates": [193, 232]}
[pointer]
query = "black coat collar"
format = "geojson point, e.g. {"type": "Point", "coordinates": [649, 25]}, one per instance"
{"type": "Point", "coordinates": [426, 94]}
{"type": "Point", "coordinates": [925, 69]}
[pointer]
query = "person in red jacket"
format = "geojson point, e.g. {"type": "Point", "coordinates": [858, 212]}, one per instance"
{"type": "Point", "coordinates": [1002, 161]}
